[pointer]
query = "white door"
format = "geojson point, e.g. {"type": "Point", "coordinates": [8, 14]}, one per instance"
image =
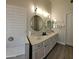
{"type": "Point", "coordinates": [69, 40]}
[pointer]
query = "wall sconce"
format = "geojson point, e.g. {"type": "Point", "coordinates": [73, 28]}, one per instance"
{"type": "Point", "coordinates": [54, 20]}
{"type": "Point", "coordinates": [33, 8]}
{"type": "Point", "coordinates": [39, 11]}
{"type": "Point", "coordinates": [54, 25]}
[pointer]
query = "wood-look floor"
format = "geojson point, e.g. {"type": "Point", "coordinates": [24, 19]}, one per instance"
{"type": "Point", "coordinates": [61, 52]}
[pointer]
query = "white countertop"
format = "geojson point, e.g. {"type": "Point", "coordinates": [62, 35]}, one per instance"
{"type": "Point", "coordinates": [38, 39]}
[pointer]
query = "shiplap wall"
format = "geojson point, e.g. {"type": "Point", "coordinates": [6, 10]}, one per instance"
{"type": "Point", "coordinates": [16, 28]}
{"type": "Point", "coordinates": [15, 25]}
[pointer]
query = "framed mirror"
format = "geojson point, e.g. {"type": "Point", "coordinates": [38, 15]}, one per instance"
{"type": "Point", "coordinates": [50, 24]}
{"type": "Point", "coordinates": [36, 23]}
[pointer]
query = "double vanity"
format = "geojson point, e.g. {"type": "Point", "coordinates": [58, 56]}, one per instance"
{"type": "Point", "coordinates": [42, 45]}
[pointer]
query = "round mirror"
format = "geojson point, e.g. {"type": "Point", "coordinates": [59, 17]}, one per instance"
{"type": "Point", "coordinates": [36, 23]}
{"type": "Point", "coordinates": [49, 24]}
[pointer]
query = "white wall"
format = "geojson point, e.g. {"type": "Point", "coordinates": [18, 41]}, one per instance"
{"type": "Point", "coordinates": [60, 8]}
{"type": "Point", "coordinates": [16, 27]}
{"type": "Point", "coordinates": [69, 7]}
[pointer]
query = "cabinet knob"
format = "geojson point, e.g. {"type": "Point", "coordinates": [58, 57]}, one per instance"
{"type": "Point", "coordinates": [45, 46]}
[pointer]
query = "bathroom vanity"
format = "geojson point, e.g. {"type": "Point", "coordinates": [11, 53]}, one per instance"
{"type": "Point", "coordinates": [42, 45]}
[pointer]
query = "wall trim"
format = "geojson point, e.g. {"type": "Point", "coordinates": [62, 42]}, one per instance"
{"type": "Point", "coordinates": [61, 43]}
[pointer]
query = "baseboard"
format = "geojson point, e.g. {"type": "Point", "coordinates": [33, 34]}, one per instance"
{"type": "Point", "coordinates": [69, 45]}
{"type": "Point", "coordinates": [17, 57]}
{"type": "Point", "coordinates": [61, 43]}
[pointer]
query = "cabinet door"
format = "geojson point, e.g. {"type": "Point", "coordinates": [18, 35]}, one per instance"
{"type": "Point", "coordinates": [46, 50]}
{"type": "Point", "coordinates": [53, 41]}
{"type": "Point", "coordinates": [50, 44]}
{"type": "Point", "coordinates": [38, 51]}
{"type": "Point", "coordinates": [39, 54]}
{"type": "Point", "coordinates": [46, 47]}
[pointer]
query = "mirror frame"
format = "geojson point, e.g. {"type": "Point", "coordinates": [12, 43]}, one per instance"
{"type": "Point", "coordinates": [41, 26]}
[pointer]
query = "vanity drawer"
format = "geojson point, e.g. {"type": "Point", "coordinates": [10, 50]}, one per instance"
{"type": "Point", "coordinates": [37, 46]}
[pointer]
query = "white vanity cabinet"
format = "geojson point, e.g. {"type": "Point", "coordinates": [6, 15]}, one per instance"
{"type": "Point", "coordinates": [52, 42]}
{"type": "Point", "coordinates": [46, 47]}
{"type": "Point", "coordinates": [49, 44]}
{"type": "Point", "coordinates": [42, 46]}
{"type": "Point", "coordinates": [38, 51]}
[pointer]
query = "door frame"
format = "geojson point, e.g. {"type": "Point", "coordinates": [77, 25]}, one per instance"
{"type": "Point", "coordinates": [66, 27]}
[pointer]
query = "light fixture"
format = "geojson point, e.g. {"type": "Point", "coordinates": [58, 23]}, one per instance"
{"type": "Point", "coordinates": [37, 10]}
{"type": "Point", "coordinates": [55, 20]}
{"type": "Point", "coordinates": [32, 8]}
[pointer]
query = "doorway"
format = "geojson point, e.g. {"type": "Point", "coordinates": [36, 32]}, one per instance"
{"type": "Point", "coordinates": [69, 28]}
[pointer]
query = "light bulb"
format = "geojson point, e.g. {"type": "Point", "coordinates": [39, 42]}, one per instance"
{"type": "Point", "coordinates": [55, 20]}
{"type": "Point", "coordinates": [32, 8]}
